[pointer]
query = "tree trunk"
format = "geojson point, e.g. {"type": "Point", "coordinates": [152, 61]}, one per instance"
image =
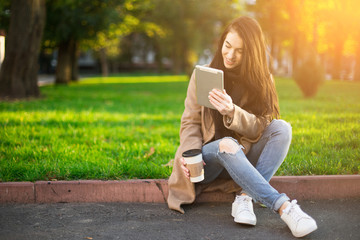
{"type": "Point", "coordinates": [74, 63]}
{"type": "Point", "coordinates": [295, 33]}
{"type": "Point", "coordinates": [272, 36]}
{"type": "Point", "coordinates": [158, 56]}
{"type": "Point", "coordinates": [176, 62]}
{"type": "Point", "coordinates": [18, 74]}
{"type": "Point", "coordinates": [339, 46]}
{"type": "Point", "coordinates": [273, 54]}
{"type": "Point", "coordinates": [357, 64]}
{"type": "Point", "coordinates": [279, 58]}
{"type": "Point", "coordinates": [185, 65]}
{"type": "Point", "coordinates": [65, 63]}
{"type": "Point", "coordinates": [180, 57]}
{"type": "Point", "coordinates": [104, 62]}
{"type": "Point", "coordinates": [295, 52]}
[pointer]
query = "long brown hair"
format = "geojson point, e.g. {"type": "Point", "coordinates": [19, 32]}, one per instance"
{"type": "Point", "coordinates": [254, 68]}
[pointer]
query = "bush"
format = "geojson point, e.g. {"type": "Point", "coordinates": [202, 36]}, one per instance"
{"type": "Point", "coordinates": [309, 75]}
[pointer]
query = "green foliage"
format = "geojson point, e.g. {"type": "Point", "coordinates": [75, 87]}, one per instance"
{"type": "Point", "coordinates": [4, 14]}
{"type": "Point", "coordinates": [131, 17]}
{"type": "Point", "coordinates": [179, 30]}
{"type": "Point", "coordinates": [309, 75]}
{"type": "Point", "coordinates": [127, 127]}
{"type": "Point", "coordinates": [190, 27]}
{"type": "Point", "coordinates": [77, 19]}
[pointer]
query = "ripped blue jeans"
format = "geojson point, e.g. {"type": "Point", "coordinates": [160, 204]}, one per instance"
{"type": "Point", "coordinates": [253, 171]}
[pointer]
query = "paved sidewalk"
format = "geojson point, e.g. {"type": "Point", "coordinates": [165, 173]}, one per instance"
{"type": "Point", "coordinates": [49, 79]}
{"type": "Point", "coordinates": [46, 79]}
{"type": "Point", "coordinates": [336, 219]}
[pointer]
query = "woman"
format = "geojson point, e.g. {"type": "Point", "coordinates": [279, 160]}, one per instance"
{"type": "Point", "coordinates": [243, 142]}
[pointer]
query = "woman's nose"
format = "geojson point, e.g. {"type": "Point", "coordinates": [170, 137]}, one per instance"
{"type": "Point", "coordinates": [231, 54]}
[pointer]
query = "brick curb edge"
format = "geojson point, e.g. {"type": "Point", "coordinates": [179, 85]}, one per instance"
{"type": "Point", "coordinates": [156, 190]}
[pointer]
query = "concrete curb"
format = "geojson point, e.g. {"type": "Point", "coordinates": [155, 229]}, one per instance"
{"type": "Point", "coordinates": [156, 190]}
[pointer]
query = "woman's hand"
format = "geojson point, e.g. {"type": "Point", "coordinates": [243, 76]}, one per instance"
{"type": "Point", "coordinates": [222, 102]}
{"type": "Point", "coordinates": [185, 169]}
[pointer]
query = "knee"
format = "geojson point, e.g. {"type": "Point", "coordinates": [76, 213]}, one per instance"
{"type": "Point", "coordinates": [284, 130]}
{"type": "Point", "coordinates": [228, 145]}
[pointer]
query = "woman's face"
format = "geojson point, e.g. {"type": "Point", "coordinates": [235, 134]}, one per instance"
{"type": "Point", "coordinates": [232, 50]}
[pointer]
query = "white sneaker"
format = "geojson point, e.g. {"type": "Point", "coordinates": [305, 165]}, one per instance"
{"type": "Point", "coordinates": [242, 210]}
{"type": "Point", "coordinates": [299, 222]}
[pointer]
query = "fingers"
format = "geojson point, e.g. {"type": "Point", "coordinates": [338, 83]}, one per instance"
{"type": "Point", "coordinates": [220, 96]}
{"type": "Point", "coordinates": [221, 101]}
{"type": "Point", "coordinates": [184, 168]}
{"type": "Point", "coordinates": [217, 94]}
{"type": "Point", "coordinates": [216, 104]}
{"type": "Point", "coordinates": [216, 99]}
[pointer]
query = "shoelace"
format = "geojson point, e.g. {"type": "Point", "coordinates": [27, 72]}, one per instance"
{"type": "Point", "coordinates": [294, 211]}
{"type": "Point", "coordinates": [244, 202]}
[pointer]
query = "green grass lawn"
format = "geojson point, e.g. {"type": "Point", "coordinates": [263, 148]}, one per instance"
{"type": "Point", "coordinates": [127, 127]}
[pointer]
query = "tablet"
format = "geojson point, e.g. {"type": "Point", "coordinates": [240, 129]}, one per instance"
{"type": "Point", "coordinates": [206, 79]}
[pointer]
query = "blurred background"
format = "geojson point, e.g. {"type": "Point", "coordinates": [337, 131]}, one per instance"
{"type": "Point", "coordinates": [171, 36]}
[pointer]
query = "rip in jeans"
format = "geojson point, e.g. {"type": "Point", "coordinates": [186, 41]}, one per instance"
{"type": "Point", "coordinates": [230, 150]}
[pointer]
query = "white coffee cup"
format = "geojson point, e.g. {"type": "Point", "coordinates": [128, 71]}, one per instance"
{"type": "Point", "coordinates": [194, 163]}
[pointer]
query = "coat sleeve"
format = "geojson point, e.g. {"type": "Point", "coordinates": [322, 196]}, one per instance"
{"type": "Point", "coordinates": [247, 124]}
{"type": "Point", "coordinates": [190, 130]}
{"type": "Point", "coordinates": [181, 190]}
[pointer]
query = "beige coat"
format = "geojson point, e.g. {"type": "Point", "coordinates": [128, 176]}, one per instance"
{"type": "Point", "coordinates": [196, 130]}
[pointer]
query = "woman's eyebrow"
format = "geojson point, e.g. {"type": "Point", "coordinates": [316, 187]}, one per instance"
{"type": "Point", "coordinates": [227, 42]}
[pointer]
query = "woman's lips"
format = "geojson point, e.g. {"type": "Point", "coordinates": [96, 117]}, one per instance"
{"type": "Point", "coordinates": [229, 62]}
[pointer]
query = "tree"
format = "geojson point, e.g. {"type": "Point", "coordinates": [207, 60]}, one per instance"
{"type": "Point", "coordinates": [271, 15]}
{"type": "Point", "coordinates": [337, 34]}
{"type": "Point", "coordinates": [357, 66]}
{"type": "Point", "coordinates": [309, 74]}
{"type": "Point", "coordinates": [328, 26]}
{"type": "Point", "coordinates": [133, 21]}
{"type": "Point", "coordinates": [190, 27]}
{"type": "Point", "coordinates": [353, 19]}
{"type": "Point", "coordinates": [280, 21]}
{"type": "Point", "coordinates": [5, 14]}
{"type": "Point", "coordinates": [70, 22]}
{"type": "Point", "coordinates": [18, 74]}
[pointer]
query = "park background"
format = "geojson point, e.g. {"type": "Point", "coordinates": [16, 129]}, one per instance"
{"type": "Point", "coordinates": [116, 77]}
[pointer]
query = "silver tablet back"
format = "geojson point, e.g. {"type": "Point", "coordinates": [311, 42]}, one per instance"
{"type": "Point", "coordinates": [206, 79]}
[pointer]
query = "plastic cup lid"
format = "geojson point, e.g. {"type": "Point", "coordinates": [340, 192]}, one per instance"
{"type": "Point", "coordinates": [191, 152]}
